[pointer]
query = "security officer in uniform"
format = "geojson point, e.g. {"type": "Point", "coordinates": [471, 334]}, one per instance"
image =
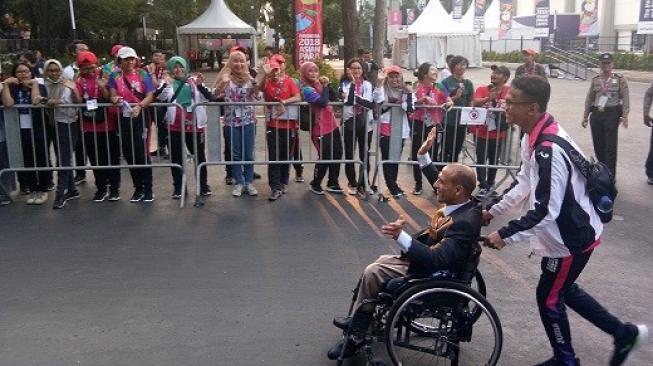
{"type": "Point", "coordinates": [607, 106]}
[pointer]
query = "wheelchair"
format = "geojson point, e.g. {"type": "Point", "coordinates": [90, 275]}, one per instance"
{"type": "Point", "coordinates": [430, 320]}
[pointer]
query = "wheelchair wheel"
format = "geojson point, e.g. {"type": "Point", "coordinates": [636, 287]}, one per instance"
{"type": "Point", "coordinates": [478, 284]}
{"type": "Point", "coordinates": [448, 314]}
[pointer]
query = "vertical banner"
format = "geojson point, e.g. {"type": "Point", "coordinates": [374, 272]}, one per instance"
{"type": "Point", "coordinates": [541, 19]}
{"type": "Point", "coordinates": [479, 15]}
{"type": "Point", "coordinates": [589, 19]}
{"type": "Point", "coordinates": [505, 18]}
{"type": "Point", "coordinates": [645, 25]}
{"type": "Point", "coordinates": [308, 29]}
{"type": "Point", "coordinates": [394, 17]}
{"type": "Point", "coordinates": [457, 9]}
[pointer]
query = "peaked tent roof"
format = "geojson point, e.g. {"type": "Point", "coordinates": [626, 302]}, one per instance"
{"type": "Point", "coordinates": [435, 20]}
{"type": "Point", "coordinates": [217, 19]}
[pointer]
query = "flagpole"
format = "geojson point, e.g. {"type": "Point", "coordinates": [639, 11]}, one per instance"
{"type": "Point", "coordinates": [72, 18]}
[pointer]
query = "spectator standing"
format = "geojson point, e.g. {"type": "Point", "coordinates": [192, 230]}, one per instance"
{"type": "Point", "coordinates": [157, 70]}
{"type": "Point", "coordinates": [7, 180]}
{"type": "Point", "coordinates": [491, 136]}
{"type": "Point", "coordinates": [70, 72]}
{"type": "Point", "coordinates": [530, 67]}
{"type": "Point", "coordinates": [648, 99]}
{"type": "Point", "coordinates": [132, 88]}
{"type": "Point", "coordinates": [445, 72]}
{"type": "Point", "coordinates": [607, 105]}
{"type": "Point", "coordinates": [461, 91]}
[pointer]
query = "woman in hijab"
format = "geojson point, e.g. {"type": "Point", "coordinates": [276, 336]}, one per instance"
{"type": "Point", "coordinates": [324, 131]}
{"type": "Point", "coordinates": [63, 91]}
{"type": "Point", "coordinates": [187, 125]}
{"type": "Point", "coordinates": [235, 84]}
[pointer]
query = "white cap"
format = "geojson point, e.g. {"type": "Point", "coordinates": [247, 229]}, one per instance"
{"type": "Point", "coordinates": [126, 52]}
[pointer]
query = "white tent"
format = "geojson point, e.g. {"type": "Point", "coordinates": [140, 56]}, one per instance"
{"type": "Point", "coordinates": [218, 19]}
{"type": "Point", "coordinates": [435, 34]}
{"type": "Point", "coordinates": [519, 36]}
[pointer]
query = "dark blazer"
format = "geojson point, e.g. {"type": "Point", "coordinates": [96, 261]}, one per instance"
{"type": "Point", "coordinates": [453, 247]}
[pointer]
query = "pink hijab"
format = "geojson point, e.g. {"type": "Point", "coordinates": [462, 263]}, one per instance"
{"type": "Point", "coordinates": [303, 76]}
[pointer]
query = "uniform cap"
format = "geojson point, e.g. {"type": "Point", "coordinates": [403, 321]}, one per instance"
{"type": "Point", "coordinates": [605, 57]}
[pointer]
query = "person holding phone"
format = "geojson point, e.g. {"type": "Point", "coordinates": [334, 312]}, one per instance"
{"type": "Point", "coordinates": [461, 91]}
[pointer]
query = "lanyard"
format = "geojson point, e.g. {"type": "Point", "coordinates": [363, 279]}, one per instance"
{"type": "Point", "coordinates": [86, 90]}
{"type": "Point", "coordinates": [605, 83]}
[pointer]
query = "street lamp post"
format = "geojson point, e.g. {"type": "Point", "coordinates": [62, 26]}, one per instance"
{"type": "Point", "coordinates": [72, 18]}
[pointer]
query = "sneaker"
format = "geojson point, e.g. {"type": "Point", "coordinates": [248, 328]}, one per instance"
{"type": "Point", "coordinates": [40, 198]}
{"type": "Point", "coordinates": [237, 191]}
{"type": "Point", "coordinates": [276, 194]}
{"type": "Point", "coordinates": [24, 191]}
{"type": "Point", "coordinates": [396, 192]}
{"type": "Point", "coordinates": [300, 179]}
{"type": "Point", "coordinates": [31, 198]}
{"type": "Point", "coordinates": [205, 191]}
{"type": "Point", "coordinates": [634, 336]}
{"type": "Point", "coordinates": [316, 189]}
{"type": "Point", "coordinates": [100, 196]}
{"type": "Point", "coordinates": [554, 362]}
{"type": "Point", "coordinates": [72, 195]}
{"type": "Point", "coordinates": [229, 181]}
{"type": "Point", "coordinates": [4, 201]}
{"type": "Point", "coordinates": [417, 191]}
{"type": "Point", "coordinates": [284, 188]}
{"type": "Point", "coordinates": [50, 187]}
{"type": "Point", "coordinates": [335, 188]}
{"type": "Point", "coordinates": [257, 175]}
{"type": "Point", "coordinates": [649, 181]}
{"type": "Point", "coordinates": [251, 190]}
{"type": "Point", "coordinates": [352, 189]}
{"type": "Point", "coordinates": [482, 192]}
{"type": "Point", "coordinates": [148, 196]}
{"type": "Point", "coordinates": [79, 179]}
{"type": "Point", "coordinates": [176, 195]}
{"type": "Point", "coordinates": [137, 196]}
{"type": "Point", "coordinates": [114, 195]}
{"type": "Point", "coordinates": [59, 202]}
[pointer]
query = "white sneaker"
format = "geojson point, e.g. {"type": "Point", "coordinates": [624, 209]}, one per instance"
{"type": "Point", "coordinates": [41, 198]}
{"type": "Point", "coordinates": [31, 198]}
{"type": "Point", "coordinates": [352, 190]}
{"type": "Point", "coordinates": [238, 190]}
{"type": "Point", "coordinates": [251, 190]}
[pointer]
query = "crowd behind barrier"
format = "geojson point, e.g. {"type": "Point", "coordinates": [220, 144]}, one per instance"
{"type": "Point", "coordinates": [35, 151]}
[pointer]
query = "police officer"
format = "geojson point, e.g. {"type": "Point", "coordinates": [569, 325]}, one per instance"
{"type": "Point", "coordinates": [607, 105]}
{"type": "Point", "coordinates": [648, 121]}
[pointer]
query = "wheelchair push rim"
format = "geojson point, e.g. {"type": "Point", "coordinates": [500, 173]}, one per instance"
{"type": "Point", "coordinates": [448, 308]}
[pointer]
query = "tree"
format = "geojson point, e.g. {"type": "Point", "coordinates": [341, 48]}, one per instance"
{"type": "Point", "coordinates": [350, 28]}
{"type": "Point", "coordinates": [380, 23]}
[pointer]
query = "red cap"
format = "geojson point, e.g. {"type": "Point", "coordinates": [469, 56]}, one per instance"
{"type": "Point", "coordinates": [85, 58]}
{"type": "Point", "coordinates": [393, 68]}
{"type": "Point", "coordinates": [115, 49]}
{"type": "Point", "coordinates": [529, 52]}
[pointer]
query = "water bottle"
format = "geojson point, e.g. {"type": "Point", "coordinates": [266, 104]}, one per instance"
{"type": "Point", "coordinates": [605, 205]}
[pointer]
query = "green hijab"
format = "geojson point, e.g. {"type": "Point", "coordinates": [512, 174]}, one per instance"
{"type": "Point", "coordinates": [184, 97]}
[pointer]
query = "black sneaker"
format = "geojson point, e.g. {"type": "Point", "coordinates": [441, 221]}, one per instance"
{"type": "Point", "coordinates": [72, 195]}
{"type": "Point", "coordinates": [148, 197]}
{"type": "Point", "coordinates": [335, 188]}
{"type": "Point", "coordinates": [633, 337]}
{"type": "Point", "coordinates": [417, 191]}
{"type": "Point", "coordinates": [100, 196]}
{"type": "Point", "coordinates": [229, 181]}
{"type": "Point", "coordinates": [316, 189]}
{"type": "Point", "coordinates": [50, 187]}
{"type": "Point", "coordinates": [276, 194]}
{"type": "Point", "coordinates": [24, 191]}
{"type": "Point", "coordinates": [79, 179]}
{"type": "Point", "coordinates": [176, 195]}
{"type": "Point", "coordinates": [114, 195]}
{"type": "Point", "coordinates": [205, 191]}
{"type": "Point", "coordinates": [553, 361]}
{"type": "Point", "coordinates": [59, 202]}
{"type": "Point", "coordinates": [137, 196]}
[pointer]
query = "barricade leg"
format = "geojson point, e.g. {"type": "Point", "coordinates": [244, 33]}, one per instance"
{"type": "Point", "coordinates": [418, 135]}
{"type": "Point", "coordinates": [226, 133]}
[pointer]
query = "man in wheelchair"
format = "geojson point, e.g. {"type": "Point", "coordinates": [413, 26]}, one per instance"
{"type": "Point", "coordinates": [449, 243]}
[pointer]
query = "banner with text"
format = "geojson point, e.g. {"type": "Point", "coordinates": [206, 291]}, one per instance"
{"type": "Point", "coordinates": [457, 11]}
{"type": "Point", "coordinates": [541, 19]}
{"type": "Point", "coordinates": [479, 15]}
{"type": "Point", "coordinates": [645, 25]}
{"type": "Point", "coordinates": [308, 29]}
{"type": "Point", "coordinates": [505, 19]}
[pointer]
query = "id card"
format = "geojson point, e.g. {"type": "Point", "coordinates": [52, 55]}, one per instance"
{"type": "Point", "coordinates": [91, 104]}
{"type": "Point", "coordinates": [602, 101]}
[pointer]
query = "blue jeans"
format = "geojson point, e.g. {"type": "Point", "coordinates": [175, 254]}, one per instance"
{"type": "Point", "coordinates": [242, 149]}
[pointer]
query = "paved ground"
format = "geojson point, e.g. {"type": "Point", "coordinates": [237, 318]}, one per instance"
{"type": "Point", "coordinates": [248, 282]}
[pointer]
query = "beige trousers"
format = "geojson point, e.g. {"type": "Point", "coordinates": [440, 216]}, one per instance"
{"type": "Point", "coordinates": [376, 274]}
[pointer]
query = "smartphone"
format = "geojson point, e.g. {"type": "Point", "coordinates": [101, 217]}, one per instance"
{"type": "Point", "coordinates": [43, 100]}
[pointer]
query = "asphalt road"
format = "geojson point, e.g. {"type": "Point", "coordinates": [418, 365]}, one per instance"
{"type": "Point", "coordinates": [243, 281]}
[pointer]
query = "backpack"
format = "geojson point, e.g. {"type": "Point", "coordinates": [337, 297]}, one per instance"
{"type": "Point", "coordinates": [600, 180]}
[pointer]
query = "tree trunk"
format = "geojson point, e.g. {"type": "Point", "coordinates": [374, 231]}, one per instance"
{"type": "Point", "coordinates": [379, 31]}
{"type": "Point", "coordinates": [350, 28]}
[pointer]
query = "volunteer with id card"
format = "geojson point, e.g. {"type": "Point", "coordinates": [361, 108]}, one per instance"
{"type": "Point", "coordinates": [607, 105]}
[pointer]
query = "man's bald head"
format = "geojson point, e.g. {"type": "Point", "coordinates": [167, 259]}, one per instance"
{"type": "Point", "coordinates": [462, 175]}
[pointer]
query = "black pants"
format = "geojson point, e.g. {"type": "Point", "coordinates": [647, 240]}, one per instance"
{"type": "Point", "coordinates": [330, 148]}
{"type": "Point", "coordinates": [133, 137]}
{"type": "Point", "coordinates": [390, 170]}
{"type": "Point", "coordinates": [418, 132]}
{"type": "Point", "coordinates": [454, 136]}
{"type": "Point", "coordinates": [356, 132]}
{"type": "Point", "coordinates": [605, 133]}
{"type": "Point", "coordinates": [35, 154]}
{"type": "Point", "coordinates": [161, 126]}
{"type": "Point", "coordinates": [178, 154]}
{"type": "Point", "coordinates": [67, 136]}
{"type": "Point", "coordinates": [103, 149]}
{"type": "Point", "coordinates": [279, 140]}
{"type": "Point", "coordinates": [556, 289]}
{"type": "Point", "coordinates": [296, 153]}
{"type": "Point", "coordinates": [488, 152]}
{"type": "Point", "coordinates": [649, 160]}
{"type": "Point", "coordinates": [227, 150]}
{"type": "Point", "coordinates": [80, 155]}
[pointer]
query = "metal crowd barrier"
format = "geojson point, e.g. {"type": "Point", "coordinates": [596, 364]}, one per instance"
{"type": "Point", "coordinates": [455, 143]}
{"type": "Point", "coordinates": [31, 145]}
